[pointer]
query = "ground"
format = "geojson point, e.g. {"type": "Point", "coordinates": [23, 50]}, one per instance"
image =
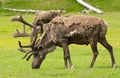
{"type": "Point", "coordinates": [12, 66]}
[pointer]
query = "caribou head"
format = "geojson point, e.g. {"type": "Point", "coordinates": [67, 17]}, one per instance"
{"type": "Point", "coordinates": [39, 48]}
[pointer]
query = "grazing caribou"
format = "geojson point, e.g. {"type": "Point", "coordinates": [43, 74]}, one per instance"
{"type": "Point", "coordinates": [63, 31]}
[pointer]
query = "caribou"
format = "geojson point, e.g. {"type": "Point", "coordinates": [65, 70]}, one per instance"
{"type": "Point", "coordinates": [63, 31]}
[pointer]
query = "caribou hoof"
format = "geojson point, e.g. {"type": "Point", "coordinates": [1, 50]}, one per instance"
{"type": "Point", "coordinates": [66, 67]}
{"type": "Point", "coordinates": [90, 66]}
{"type": "Point", "coordinates": [72, 67]}
{"type": "Point", "coordinates": [114, 66]}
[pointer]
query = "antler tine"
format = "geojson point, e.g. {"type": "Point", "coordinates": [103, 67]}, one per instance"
{"type": "Point", "coordinates": [61, 10]}
{"type": "Point", "coordinates": [26, 53]}
{"type": "Point", "coordinates": [20, 44]}
{"type": "Point", "coordinates": [15, 18]}
{"type": "Point", "coordinates": [34, 39]}
{"type": "Point", "coordinates": [22, 50]}
{"type": "Point", "coordinates": [29, 56]}
{"type": "Point", "coordinates": [28, 46]}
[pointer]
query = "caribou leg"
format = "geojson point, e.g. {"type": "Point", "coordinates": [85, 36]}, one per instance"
{"type": "Point", "coordinates": [93, 45]}
{"type": "Point", "coordinates": [67, 55]}
{"type": "Point", "coordinates": [110, 49]}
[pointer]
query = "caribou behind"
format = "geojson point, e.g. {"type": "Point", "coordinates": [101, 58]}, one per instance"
{"type": "Point", "coordinates": [63, 31]}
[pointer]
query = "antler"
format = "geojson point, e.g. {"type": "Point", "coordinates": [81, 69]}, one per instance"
{"type": "Point", "coordinates": [24, 34]}
{"type": "Point", "coordinates": [21, 34]}
{"type": "Point", "coordinates": [32, 44]}
{"type": "Point", "coordinates": [20, 19]}
{"type": "Point", "coordinates": [26, 53]}
{"type": "Point", "coordinates": [28, 46]}
{"type": "Point", "coordinates": [21, 46]}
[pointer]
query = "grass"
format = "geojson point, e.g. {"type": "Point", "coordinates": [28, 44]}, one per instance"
{"type": "Point", "coordinates": [70, 6]}
{"type": "Point", "coordinates": [43, 5]}
{"type": "Point", "coordinates": [12, 66]}
{"type": "Point", "coordinates": [106, 5]}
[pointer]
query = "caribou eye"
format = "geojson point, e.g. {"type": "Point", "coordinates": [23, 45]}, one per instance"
{"type": "Point", "coordinates": [40, 48]}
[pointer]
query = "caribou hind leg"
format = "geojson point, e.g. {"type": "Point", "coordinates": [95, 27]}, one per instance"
{"type": "Point", "coordinates": [93, 45]}
{"type": "Point", "coordinates": [110, 49]}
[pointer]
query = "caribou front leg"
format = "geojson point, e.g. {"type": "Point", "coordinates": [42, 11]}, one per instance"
{"type": "Point", "coordinates": [67, 55]}
{"type": "Point", "coordinates": [93, 45]}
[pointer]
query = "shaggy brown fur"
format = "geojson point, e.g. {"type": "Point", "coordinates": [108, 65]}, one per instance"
{"type": "Point", "coordinates": [45, 17]}
{"type": "Point", "coordinates": [86, 22]}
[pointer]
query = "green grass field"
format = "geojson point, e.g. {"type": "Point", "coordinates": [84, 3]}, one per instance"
{"type": "Point", "coordinates": [69, 6]}
{"type": "Point", "coordinates": [12, 66]}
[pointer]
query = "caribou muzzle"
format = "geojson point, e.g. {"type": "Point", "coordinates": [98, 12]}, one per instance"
{"type": "Point", "coordinates": [37, 61]}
